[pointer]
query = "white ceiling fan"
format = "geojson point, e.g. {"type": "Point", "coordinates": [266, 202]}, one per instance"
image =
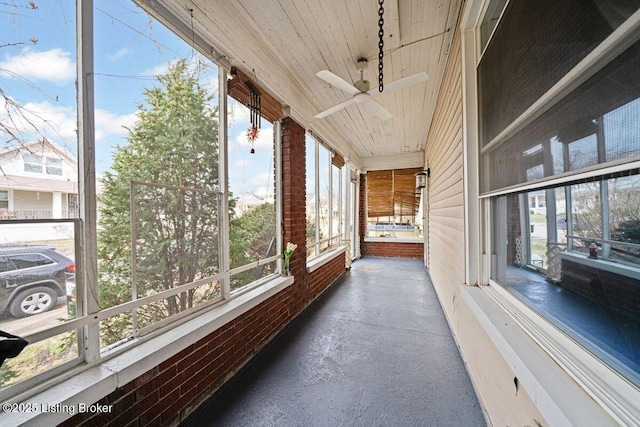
{"type": "Point", "coordinates": [360, 91]}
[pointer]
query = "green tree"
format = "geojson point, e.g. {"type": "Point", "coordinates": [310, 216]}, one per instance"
{"type": "Point", "coordinates": [252, 238]}
{"type": "Point", "coordinates": [172, 157]}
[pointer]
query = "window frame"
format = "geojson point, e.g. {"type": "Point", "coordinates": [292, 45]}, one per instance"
{"type": "Point", "coordinates": [607, 388]}
{"type": "Point", "coordinates": [315, 249]}
{"type": "Point", "coordinates": [90, 353]}
{"type": "Point", "coordinates": [32, 162]}
{"type": "Point", "coordinates": [369, 237]}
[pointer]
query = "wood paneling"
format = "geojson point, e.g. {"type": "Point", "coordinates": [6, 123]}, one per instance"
{"type": "Point", "coordinates": [282, 44]}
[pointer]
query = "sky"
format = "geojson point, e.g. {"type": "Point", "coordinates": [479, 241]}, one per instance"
{"type": "Point", "coordinates": [38, 73]}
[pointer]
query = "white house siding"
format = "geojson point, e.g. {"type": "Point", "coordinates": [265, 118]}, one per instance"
{"type": "Point", "coordinates": [492, 376]}
{"type": "Point", "coordinates": [38, 201]}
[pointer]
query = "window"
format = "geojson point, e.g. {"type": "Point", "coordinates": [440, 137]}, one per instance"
{"type": "Point", "coordinates": [53, 166]}
{"type": "Point", "coordinates": [43, 114]}
{"type": "Point", "coordinates": [392, 203]}
{"type": "Point", "coordinates": [252, 211]}
{"type": "Point", "coordinates": [23, 261]}
{"type": "Point", "coordinates": [163, 230]}
{"type": "Point", "coordinates": [32, 163]}
{"type": "Point", "coordinates": [324, 198]}
{"type": "Point", "coordinates": [4, 199]}
{"type": "Point", "coordinates": [563, 182]}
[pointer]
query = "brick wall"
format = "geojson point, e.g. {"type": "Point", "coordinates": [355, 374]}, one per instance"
{"type": "Point", "coordinates": [611, 291]}
{"type": "Point", "coordinates": [169, 392]}
{"type": "Point", "coordinates": [393, 249]}
{"type": "Point", "coordinates": [362, 215]}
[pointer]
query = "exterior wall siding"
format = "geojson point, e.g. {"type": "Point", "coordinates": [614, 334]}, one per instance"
{"type": "Point", "coordinates": [166, 394]}
{"type": "Point", "coordinates": [491, 375]}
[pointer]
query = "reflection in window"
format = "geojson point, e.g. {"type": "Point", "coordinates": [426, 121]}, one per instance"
{"type": "Point", "coordinates": [32, 163]}
{"type": "Point", "coordinates": [581, 270]}
{"type": "Point", "coordinates": [324, 199]}
{"type": "Point", "coordinates": [4, 199]}
{"type": "Point", "coordinates": [53, 166]}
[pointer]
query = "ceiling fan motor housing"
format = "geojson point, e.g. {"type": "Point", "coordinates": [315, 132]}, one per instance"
{"type": "Point", "coordinates": [362, 85]}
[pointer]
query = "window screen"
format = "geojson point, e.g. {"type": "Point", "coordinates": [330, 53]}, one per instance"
{"type": "Point", "coordinates": [597, 123]}
{"type": "Point", "coordinates": [534, 45]}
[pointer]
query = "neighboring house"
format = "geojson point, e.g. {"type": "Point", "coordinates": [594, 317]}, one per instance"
{"type": "Point", "coordinates": [38, 180]}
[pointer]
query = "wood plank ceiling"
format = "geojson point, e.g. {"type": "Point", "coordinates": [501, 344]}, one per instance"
{"type": "Point", "coordinates": [284, 43]}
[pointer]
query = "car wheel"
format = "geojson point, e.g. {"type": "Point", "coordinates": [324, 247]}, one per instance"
{"type": "Point", "coordinates": [33, 301]}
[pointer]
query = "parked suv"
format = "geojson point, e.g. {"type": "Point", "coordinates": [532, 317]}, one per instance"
{"type": "Point", "coordinates": [32, 278]}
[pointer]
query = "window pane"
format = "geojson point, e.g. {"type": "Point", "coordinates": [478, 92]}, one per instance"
{"type": "Point", "coordinates": [310, 144]}
{"type": "Point", "coordinates": [624, 219]}
{"type": "Point", "coordinates": [54, 166]}
{"type": "Point", "coordinates": [589, 288]}
{"type": "Point", "coordinates": [4, 203]}
{"type": "Point", "coordinates": [38, 120]}
{"type": "Point", "coordinates": [392, 203]}
{"type": "Point", "coordinates": [252, 228]}
{"type": "Point", "coordinates": [335, 203]}
{"type": "Point", "coordinates": [490, 20]}
{"type": "Point", "coordinates": [157, 127]}
{"type": "Point", "coordinates": [325, 197]}
{"type": "Point", "coordinates": [586, 215]}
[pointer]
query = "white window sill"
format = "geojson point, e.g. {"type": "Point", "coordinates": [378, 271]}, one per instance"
{"type": "Point", "coordinates": [395, 239]}
{"type": "Point", "coordinates": [568, 385]}
{"type": "Point", "coordinates": [317, 262]}
{"type": "Point", "coordinates": [88, 384]}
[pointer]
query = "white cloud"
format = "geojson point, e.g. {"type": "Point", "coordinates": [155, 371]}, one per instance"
{"type": "Point", "coordinates": [265, 139]}
{"type": "Point", "coordinates": [242, 164]}
{"type": "Point", "coordinates": [119, 54]}
{"type": "Point", "coordinates": [264, 193]}
{"type": "Point", "coordinates": [59, 123]}
{"type": "Point", "coordinates": [260, 179]}
{"type": "Point", "coordinates": [108, 123]}
{"type": "Point", "coordinates": [53, 121]}
{"type": "Point", "coordinates": [53, 65]}
{"type": "Point", "coordinates": [158, 70]}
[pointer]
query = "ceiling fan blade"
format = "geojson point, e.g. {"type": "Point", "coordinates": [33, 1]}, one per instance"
{"type": "Point", "coordinates": [403, 82]}
{"type": "Point", "coordinates": [377, 109]}
{"type": "Point", "coordinates": [333, 109]}
{"type": "Point", "coordinates": [338, 82]}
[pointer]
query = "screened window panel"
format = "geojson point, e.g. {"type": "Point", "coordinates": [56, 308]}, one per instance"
{"type": "Point", "coordinates": [598, 122]}
{"type": "Point", "coordinates": [526, 58]}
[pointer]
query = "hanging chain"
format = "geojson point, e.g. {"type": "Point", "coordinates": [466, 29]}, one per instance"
{"type": "Point", "coordinates": [380, 45]}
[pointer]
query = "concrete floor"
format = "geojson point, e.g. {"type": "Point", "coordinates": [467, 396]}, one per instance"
{"type": "Point", "coordinates": [374, 350]}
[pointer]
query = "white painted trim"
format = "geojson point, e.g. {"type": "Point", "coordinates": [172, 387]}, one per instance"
{"type": "Point", "coordinates": [567, 384]}
{"type": "Point", "coordinates": [614, 394]}
{"type": "Point", "coordinates": [393, 161]}
{"type": "Point", "coordinates": [394, 240]}
{"type": "Point", "coordinates": [319, 261]}
{"type": "Point", "coordinates": [88, 384]}
{"type": "Point", "coordinates": [556, 394]}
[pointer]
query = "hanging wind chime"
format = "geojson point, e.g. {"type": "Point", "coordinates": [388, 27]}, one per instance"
{"type": "Point", "coordinates": [255, 104]}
